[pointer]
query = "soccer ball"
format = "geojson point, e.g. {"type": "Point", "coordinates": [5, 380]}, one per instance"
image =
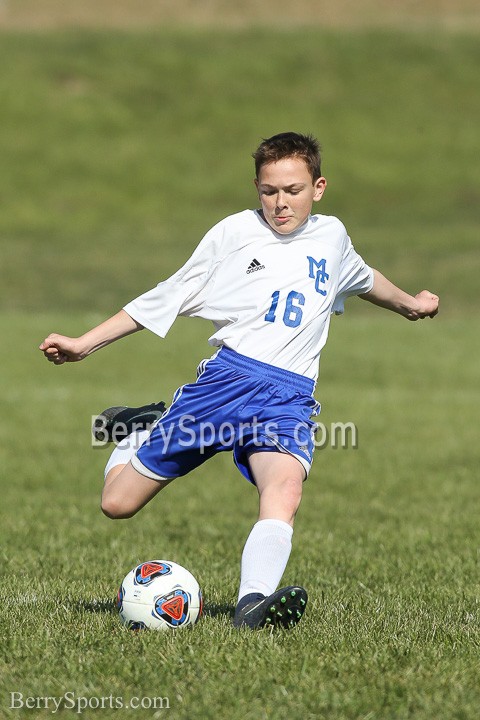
{"type": "Point", "coordinates": [159, 594]}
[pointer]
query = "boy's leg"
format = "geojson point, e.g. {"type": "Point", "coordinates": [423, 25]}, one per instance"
{"type": "Point", "coordinates": [279, 479]}
{"type": "Point", "coordinates": [126, 491]}
{"type": "Point", "coordinates": [112, 474]}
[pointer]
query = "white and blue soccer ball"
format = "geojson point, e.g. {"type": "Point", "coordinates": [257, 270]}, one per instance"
{"type": "Point", "coordinates": [159, 594]}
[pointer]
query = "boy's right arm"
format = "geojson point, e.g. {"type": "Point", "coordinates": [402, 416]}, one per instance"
{"type": "Point", "coordinates": [60, 348]}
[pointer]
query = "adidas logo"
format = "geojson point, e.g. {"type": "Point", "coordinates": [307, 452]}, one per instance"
{"type": "Point", "coordinates": [254, 266]}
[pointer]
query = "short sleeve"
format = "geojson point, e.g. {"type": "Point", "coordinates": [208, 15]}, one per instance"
{"type": "Point", "coordinates": [183, 293]}
{"type": "Point", "coordinates": [356, 277]}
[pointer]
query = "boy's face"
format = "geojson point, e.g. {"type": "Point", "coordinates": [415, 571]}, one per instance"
{"type": "Point", "coordinates": [286, 191]}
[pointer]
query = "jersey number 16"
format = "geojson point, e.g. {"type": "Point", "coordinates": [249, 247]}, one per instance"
{"type": "Point", "coordinates": [292, 316]}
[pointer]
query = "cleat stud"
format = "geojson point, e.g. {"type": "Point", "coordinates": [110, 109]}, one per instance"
{"type": "Point", "coordinates": [290, 612]}
{"type": "Point", "coordinates": [268, 620]}
{"type": "Point", "coordinates": [272, 608]}
{"type": "Point", "coordinates": [293, 593]}
{"type": "Point", "coordinates": [283, 600]}
{"type": "Point", "coordinates": [302, 601]}
{"type": "Point", "coordinates": [299, 614]}
{"type": "Point", "coordinates": [279, 614]}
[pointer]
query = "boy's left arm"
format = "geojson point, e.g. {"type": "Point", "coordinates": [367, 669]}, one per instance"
{"type": "Point", "coordinates": [387, 295]}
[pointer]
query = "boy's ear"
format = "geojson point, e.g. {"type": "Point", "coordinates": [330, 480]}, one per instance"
{"type": "Point", "coordinates": [320, 186]}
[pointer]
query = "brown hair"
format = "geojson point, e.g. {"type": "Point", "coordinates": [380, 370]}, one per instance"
{"type": "Point", "coordinates": [289, 144]}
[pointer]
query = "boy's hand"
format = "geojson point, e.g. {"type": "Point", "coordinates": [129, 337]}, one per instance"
{"type": "Point", "coordinates": [428, 305]}
{"type": "Point", "coordinates": [60, 349]}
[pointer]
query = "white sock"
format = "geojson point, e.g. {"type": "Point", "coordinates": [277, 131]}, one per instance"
{"type": "Point", "coordinates": [265, 557]}
{"type": "Point", "coordinates": [126, 449]}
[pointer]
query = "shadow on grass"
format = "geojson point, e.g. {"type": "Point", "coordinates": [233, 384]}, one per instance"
{"type": "Point", "coordinates": [109, 607]}
{"type": "Point", "coordinates": [106, 607]}
{"type": "Point", "coordinates": [218, 609]}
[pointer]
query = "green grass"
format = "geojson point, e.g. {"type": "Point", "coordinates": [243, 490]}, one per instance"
{"type": "Point", "coordinates": [386, 540]}
{"type": "Point", "coordinates": [132, 145]}
{"type": "Point", "coordinates": [118, 152]}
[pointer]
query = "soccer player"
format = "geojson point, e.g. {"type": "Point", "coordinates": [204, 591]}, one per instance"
{"type": "Point", "coordinates": [269, 280]}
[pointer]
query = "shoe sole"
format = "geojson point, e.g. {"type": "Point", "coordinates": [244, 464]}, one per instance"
{"type": "Point", "coordinates": [102, 423]}
{"type": "Point", "coordinates": [285, 609]}
{"type": "Point", "coordinates": [107, 428]}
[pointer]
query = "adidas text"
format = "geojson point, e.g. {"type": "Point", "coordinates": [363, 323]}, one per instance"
{"type": "Point", "coordinates": [254, 266]}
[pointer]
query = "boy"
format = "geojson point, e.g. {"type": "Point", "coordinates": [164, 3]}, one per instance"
{"type": "Point", "coordinates": [269, 280]}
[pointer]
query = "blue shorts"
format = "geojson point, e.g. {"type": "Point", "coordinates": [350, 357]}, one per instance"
{"type": "Point", "coordinates": [238, 404]}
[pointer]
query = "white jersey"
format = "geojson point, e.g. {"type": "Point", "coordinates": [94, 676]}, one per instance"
{"type": "Point", "coordinates": [269, 296]}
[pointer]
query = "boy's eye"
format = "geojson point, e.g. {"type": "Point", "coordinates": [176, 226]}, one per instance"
{"type": "Point", "coordinates": [274, 192]}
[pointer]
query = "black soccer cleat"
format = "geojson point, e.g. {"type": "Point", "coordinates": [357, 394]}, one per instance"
{"type": "Point", "coordinates": [283, 608]}
{"type": "Point", "coordinates": [116, 423]}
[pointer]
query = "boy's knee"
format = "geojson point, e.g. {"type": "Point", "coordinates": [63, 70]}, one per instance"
{"type": "Point", "coordinates": [114, 509]}
{"type": "Point", "coordinates": [281, 499]}
{"type": "Point", "coordinates": [292, 492]}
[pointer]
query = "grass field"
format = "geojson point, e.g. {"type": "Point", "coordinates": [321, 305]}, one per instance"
{"type": "Point", "coordinates": [110, 140]}
{"type": "Point", "coordinates": [119, 149]}
{"type": "Point", "coordinates": [386, 542]}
